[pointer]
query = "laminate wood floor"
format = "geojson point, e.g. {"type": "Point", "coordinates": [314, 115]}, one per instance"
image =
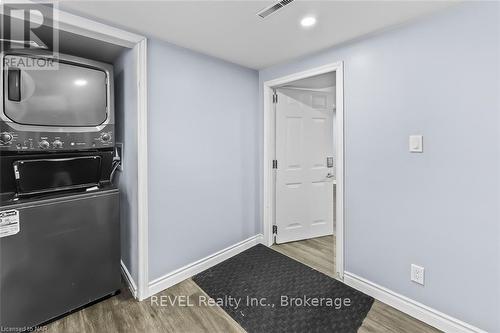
{"type": "Point", "coordinates": [123, 314]}
{"type": "Point", "coordinates": [319, 253]}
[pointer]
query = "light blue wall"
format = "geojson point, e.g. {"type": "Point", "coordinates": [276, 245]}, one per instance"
{"type": "Point", "coordinates": [439, 77]}
{"type": "Point", "coordinates": [126, 132]}
{"type": "Point", "coordinates": [203, 156]}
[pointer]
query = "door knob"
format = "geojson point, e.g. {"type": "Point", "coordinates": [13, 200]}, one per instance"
{"type": "Point", "coordinates": [330, 175]}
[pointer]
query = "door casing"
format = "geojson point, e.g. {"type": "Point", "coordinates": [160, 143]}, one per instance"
{"type": "Point", "coordinates": [138, 43]}
{"type": "Point", "coordinates": [268, 212]}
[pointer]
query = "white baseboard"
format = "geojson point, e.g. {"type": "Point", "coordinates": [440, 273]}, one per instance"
{"type": "Point", "coordinates": [413, 308]}
{"type": "Point", "coordinates": [199, 266]}
{"type": "Point", "coordinates": [129, 280]}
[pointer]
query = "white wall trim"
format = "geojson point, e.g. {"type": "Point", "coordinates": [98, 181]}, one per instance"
{"type": "Point", "coordinates": [129, 280]}
{"type": "Point", "coordinates": [413, 308]}
{"type": "Point", "coordinates": [90, 28]}
{"type": "Point", "coordinates": [199, 266]}
{"type": "Point", "coordinates": [142, 168]}
{"type": "Point", "coordinates": [269, 153]}
{"type": "Point", "coordinates": [93, 29]}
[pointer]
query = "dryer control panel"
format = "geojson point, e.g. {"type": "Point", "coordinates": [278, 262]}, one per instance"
{"type": "Point", "coordinates": [11, 140]}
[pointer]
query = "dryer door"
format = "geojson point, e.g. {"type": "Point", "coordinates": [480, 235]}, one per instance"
{"type": "Point", "coordinates": [72, 95]}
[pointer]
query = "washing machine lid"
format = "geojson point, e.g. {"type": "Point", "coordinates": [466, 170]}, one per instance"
{"type": "Point", "coordinates": [56, 174]}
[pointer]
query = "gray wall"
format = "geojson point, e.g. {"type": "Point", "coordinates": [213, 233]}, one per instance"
{"type": "Point", "coordinates": [439, 77]}
{"type": "Point", "coordinates": [203, 156]}
{"type": "Point", "coordinates": [126, 132]}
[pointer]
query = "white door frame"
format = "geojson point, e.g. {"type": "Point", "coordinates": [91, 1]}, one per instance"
{"type": "Point", "coordinates": [336, 69]}
{"type": "Point", "coordinates": [93, 29]}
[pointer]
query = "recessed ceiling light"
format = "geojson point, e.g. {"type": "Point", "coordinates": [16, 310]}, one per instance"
{"type": "Point", "coordinates": [308, 21]}
{"type": "Point", "coordinates": [80, 82]}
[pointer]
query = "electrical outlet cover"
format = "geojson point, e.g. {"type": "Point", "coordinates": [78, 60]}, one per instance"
{"type": "Point", "coordinates": [416, 144]}
{"type": "Point", "coordinates": [417, 274]}
{"type": "Point", "coordinates": [119, 152]}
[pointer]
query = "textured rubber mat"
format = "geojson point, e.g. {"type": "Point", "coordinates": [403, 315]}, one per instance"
{"type": "Point", "coordinates": [265, 291]}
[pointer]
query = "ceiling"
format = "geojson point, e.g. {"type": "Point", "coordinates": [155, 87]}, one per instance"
{"type": "Point", "coordinates": [232, 31]}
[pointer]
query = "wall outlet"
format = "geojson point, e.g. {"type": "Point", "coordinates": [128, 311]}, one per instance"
{"type": "Point", "coordinates": [119, 153]}
{"type": "Point", "coordinates": [417, 274]}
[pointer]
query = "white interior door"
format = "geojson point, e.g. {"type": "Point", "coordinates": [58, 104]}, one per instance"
{"type": "Point", "coordinates": [304, 181]}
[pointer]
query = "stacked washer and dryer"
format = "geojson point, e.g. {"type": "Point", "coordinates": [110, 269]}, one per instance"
{"type": "Point", "coordinates": [59, 212]}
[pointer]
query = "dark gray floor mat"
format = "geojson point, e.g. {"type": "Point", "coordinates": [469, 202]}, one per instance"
{"type": "Point", "coordinates": [292, 297]}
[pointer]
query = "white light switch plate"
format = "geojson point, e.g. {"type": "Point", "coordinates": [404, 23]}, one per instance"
{"type": "Point", "coordinates": [416, 144]}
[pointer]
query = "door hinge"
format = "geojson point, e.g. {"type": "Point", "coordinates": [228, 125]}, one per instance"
{"type": "Point", "coordinates": [275, 98]}
{"type": "Point", "coordinates": [275, 229]}
{"type": "Point", "coordinates": [275, 164]}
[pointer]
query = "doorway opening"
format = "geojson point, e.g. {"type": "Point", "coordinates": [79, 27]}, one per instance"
{"type": "Point", "coordinates": [304, 174]}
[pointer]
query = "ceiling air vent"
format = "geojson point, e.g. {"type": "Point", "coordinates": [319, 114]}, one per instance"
{"type": "Point", "coordinates": [273, 8]}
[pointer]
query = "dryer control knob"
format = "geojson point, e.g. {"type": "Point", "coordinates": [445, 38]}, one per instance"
{"type": "Point", "coordinates": [105, 137]}
{"type": "Point", "coordinates": [44, 144]}
{"type": "Point", "coordinates": [57, 144]}
{"type": "Point", "coordinates": [5, 137]}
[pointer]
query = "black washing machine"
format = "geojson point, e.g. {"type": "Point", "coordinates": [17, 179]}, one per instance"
{"type": "Point", "coordinates": [59, 235]}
